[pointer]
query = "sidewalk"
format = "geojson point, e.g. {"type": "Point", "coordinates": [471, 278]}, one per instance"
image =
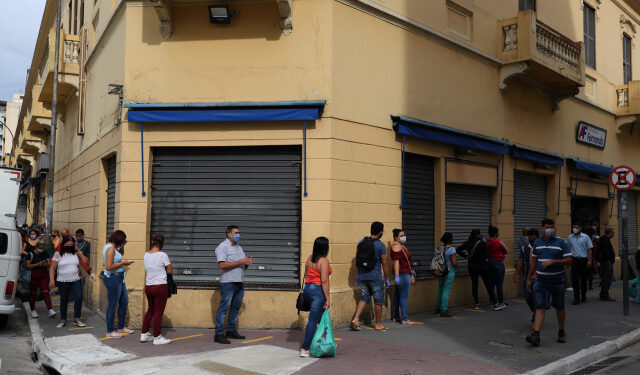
{"type": "Point", "coordinates": [473, 342]}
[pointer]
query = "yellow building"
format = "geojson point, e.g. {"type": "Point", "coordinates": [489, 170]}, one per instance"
{"type": "Point", "coordinates": [307, 118]}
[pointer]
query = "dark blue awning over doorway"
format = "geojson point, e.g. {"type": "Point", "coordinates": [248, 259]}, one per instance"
{"type": "Point", "coordinates": [536, 156]}
{"type": "Point", "coordinates": [592, 167]}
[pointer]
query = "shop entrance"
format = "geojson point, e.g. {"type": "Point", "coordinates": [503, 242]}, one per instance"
{"type": "Point", "coordinates": [586, 211]}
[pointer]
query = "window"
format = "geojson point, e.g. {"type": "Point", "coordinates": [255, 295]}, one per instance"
{"type": "Point", "coordinates": [4, 243]}
{"type": "Point", "coordinates": [626, 58]}
{"type": "Point", "coordinates": [527, 4]}
{"type": "Point", "coordinates": [75, 17]}
{"type": "Point", "coordinates": [589, 20]}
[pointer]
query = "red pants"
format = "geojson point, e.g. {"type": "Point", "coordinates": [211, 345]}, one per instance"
{"type": "Point", "coordinates": [39, 279]}
{"type": "Point", "coordinates": [157, 297]}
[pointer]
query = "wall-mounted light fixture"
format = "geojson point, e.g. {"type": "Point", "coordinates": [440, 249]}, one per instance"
{"type": "Point", "coordinates": [117, 89]}
{"type": "Point", "coordinates": [219, 14]}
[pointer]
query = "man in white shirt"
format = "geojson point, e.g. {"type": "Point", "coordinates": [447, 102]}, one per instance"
{"type": "Point", "coordinates": [581, 250]}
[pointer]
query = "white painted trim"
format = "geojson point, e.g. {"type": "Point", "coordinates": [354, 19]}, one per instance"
{"type": "Point", "coordinates": [402, 21]}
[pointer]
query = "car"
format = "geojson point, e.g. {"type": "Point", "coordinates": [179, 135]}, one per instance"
{"type": "Point", "coordinates": [10, 242]}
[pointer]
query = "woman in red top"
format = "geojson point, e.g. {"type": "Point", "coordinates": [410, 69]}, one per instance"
{"type": "Point", "coordinates": [404, 277]}
{"type": "Point", "coordinates": [316, 289]}
{"type": "Point", "coordinates": [495, 265]}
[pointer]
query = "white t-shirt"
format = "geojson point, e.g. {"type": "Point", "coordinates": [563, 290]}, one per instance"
{"type": "Point", "coordinates": [67, 267]}
{"type": "Point", "coordinates": [154, 264]}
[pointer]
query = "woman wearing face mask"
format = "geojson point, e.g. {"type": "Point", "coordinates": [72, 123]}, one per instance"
{"type": "Point", "coordinates": [477, 252]}
{"type": "Point", "coordinates": [56, 240]}
{"type": "Point", "coordinates": [31, 243]}
{"type": "Point", "coordinates": [114, 273]}
{"type": "Point", "coordinates": [67, 261]}
{"type": "Point", "coordinates": [38, 262]}
{"type": "Point", "coordinates": [495, 265]}
{"type": "Point", "coordinates": [404, 277]}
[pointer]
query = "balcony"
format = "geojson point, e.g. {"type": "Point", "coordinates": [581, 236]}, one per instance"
{"type": "Point", "coordinates": [627, 106]}
{"type": "Point", "coordinates": [68, 67]}
{"type": "Point", "coordinates": [530, 50]}
{"type": "Point", "coordinates": [40, 116]}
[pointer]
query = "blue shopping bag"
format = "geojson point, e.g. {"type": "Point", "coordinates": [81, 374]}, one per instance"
{"type": "Point", "coordinates": [324, 343]}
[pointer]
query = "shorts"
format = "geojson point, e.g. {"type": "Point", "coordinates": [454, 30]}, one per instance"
{"type": "Point", "coordinates": [545, 292]}
{"type": "Point", "coordinates": [372, 288]}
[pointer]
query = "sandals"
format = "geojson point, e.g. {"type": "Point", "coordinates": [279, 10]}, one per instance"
{"type": "Point", "coordinates": [408, 323]}
{"type": "Point", "coordinates": [355, 327]}
{"type": "Point", "coordinates": [383, 329]}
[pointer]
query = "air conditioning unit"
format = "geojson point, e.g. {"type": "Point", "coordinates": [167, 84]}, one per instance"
{"type": "Point", "coordinates": [44, 162]}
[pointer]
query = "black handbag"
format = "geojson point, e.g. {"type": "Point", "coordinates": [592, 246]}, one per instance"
{"type": "Point", "coordinates": [171, 286]}
{"type": "Point", "coordinates": [302, 304]}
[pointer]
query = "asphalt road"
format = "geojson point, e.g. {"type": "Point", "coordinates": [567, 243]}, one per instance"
{"type": "Point", "coordinates": [624, 362]}
{"type": "Point", "coordinates": [15, 347]}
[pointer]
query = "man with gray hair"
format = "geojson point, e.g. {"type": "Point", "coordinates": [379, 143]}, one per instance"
{"type": "Point", "coordinates": [606, 256]}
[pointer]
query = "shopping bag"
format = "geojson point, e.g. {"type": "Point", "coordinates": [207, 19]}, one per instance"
{"type": "Point", "coordinates": [324, 344]}
{"type": "Point", "coordinates": [633, 287]}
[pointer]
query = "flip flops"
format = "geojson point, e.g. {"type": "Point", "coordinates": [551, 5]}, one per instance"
{"type": "Point", "coordinates": [355, 327]}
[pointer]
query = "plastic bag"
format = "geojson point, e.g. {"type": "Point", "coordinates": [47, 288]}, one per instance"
{"type": "Point", "coordinates": [324, 344]}
{"type": "Point", "coordinates": [633, 291]}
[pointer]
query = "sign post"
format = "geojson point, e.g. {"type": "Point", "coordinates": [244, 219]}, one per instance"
{"type": "Point", "coordinates": [623, 178]}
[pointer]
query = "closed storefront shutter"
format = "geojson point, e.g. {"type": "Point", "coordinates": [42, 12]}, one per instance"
{"type": "Point", "coordinates": [111, 194]}
{"type": "Point", "coordinates": [198, 192]}
{"type": "Point", "coordinates": [418, 211]}
{"type": "Point", "coordinates": [531, 205]}
{"type": "Point", "coordinates": [468, 207]}
{"type": "Point", "coordinates": [632, 223]}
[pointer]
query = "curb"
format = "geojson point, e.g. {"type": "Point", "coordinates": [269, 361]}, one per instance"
{"type": "Point", "coordinates": [37, 341]}
{"type": "Point", "coordinates": [586, 356]}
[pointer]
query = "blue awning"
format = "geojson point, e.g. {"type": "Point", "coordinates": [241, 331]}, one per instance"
{"type": "Point", "coordinates": [592, 167]}
{"type": "Point", "coordinates": [536, 156]}
{"type": "Point", "coordinates": [437, 133]}
{"type": "Point", "coordinates": [225, 112]}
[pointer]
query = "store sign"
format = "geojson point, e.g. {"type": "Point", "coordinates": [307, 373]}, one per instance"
{"type": "Point", "coordinates": [591, 135]}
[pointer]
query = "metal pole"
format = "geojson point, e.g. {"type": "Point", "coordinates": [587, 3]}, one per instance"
{"type": "Point", "coordinates": [54, 120]}
{"type": "Point", "coordinates": [624, 252]}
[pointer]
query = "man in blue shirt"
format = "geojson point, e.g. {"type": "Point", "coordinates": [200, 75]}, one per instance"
{"type": "Point", "coordinates": [551, 254]}
{"type": "Point", "coordinates": [371, 282]}
{"type": "Point", "coordinates": [581, 251]}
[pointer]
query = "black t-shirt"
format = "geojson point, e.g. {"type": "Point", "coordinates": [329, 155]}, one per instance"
{"type": "Point", "coordinates": [36, 257]}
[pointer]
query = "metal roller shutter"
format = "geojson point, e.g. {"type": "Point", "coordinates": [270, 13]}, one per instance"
{"type": "Point", "coordinates": [468, 207]}
{"type": "Point", "coordinates": [198, 191]}
{"type": "Point", "coordinates": [632, 223]}
{"type": "Point", "coordinates": [111, 194]}
{"type": "Point", "coordinates": [418, 211]}
{"type": "Point", "coordinates": [530, 204]}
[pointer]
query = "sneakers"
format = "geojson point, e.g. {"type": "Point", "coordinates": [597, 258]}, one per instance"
{"type": "Point", "coordinates": [477, 307]}
{"type": "Point", "coordinates": [304, 353]}
{"type": "Point", "coordinates": [34, 314]}
{"type": "Point", "coordinates": [533, 338]}
{"type": "Point", "coordinates": [445, 314]}
{"type": "Point", "coordinates": [234, 335]}
{"type": "Point", "coordinates": [146, 337]}
{"type": "Point", "coordinates": [562, 337]}
{"type": "Point", "coordinates": [61, 324]}
{"type": "Point", "coordinates": [52, 313]}
{"type": "Point", "coordinates": [79, 323]}
{"type": "Point", "coordinates": [160, 340]}
{"type": "Point", "coordinates": [500, 307]}
{"type": "Point", "coordinates": [221, 339]}
{"type": "Point", "coordinates": [114, 335]}
{"type": "Point", "coordinates": [125, 330]}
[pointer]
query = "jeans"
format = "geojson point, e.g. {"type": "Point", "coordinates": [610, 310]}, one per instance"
{"type": "Point", "coordinates": [496, 275]}
{"type": "Point", "coordinates": [315, 295]}
{"type": "Point", "coordinates": [157, 299]}
{"type": "Point", "coordinates": [372, 288]}
{"type": "Point", "coordinates": [546, 291]}
{"type": "Point", "coordinates": [116, 297]}
{"type": "Point", "coordinates": [481, 273]}
{"type": "Point", "coordinates": [231, 295]}
{"type": "Point", "coordinates": [444, 288]}
{"type": "Point", "coordinates": [39, 279]}
{"type": "Point", "coordinates": [579, 277]}
{"type": "Point", "coordinates": [74, 287]}
{"type": "Point", "coordinates": [529, 297]}
{"type": "Point", "coordinates": [606, 274]}
{"type": "Point", "coordinates": [401, 298]}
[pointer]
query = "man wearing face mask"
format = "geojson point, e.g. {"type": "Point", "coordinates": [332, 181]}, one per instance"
{"type": "Point", "coordinates": [83, 245]}
{"type": "Point", "coordinates": [581, 251]}
{"type": "Point", "coordinates": [550, 254]}
{"type": "Point", "coordinates": [606, 256]}
{"type": "Point", "coordinates": [232, 262]}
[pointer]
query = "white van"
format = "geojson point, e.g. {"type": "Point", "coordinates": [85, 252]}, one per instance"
{"type": "Point", "coordinates": [10, 241]}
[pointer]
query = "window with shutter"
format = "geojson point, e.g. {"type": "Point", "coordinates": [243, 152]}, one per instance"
{"type": "Point", "coordinates": [626, 58]}
{"type": "Point", "coordinates": [527, 4]}
{"type": "Point", "coordinates": [589, 20]}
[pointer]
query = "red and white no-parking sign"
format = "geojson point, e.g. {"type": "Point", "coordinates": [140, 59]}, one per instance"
{"type": "Point", "coordinates": [622, 178]}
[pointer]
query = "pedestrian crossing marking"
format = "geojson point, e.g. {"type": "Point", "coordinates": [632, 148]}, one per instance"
{"type": "Point", "coordinates": [78, 328]}
{"type": "Point", "coordinates": [260, 339]}
{"type": "Point", "coordinates": [337, 339]}
{"type": "Point", "coordinates": [186, 337]}
{"type": "Point", "coordinates": [417, 322]}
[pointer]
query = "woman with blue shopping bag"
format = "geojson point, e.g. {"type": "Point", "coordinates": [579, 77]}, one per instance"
{"type": "Point", "coordinates": [316, 290]}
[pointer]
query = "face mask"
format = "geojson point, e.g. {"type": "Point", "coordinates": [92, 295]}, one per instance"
{"type": "Point", "coordinates": [33, 236]}
{"type": "Point", "coordinates": [575, 230]}
{"type": "Point", "coordinates": [79, 240]}
{"type": "Point", "coordinates": [69, 249]}
{"type": "Point", "coordinates": [402, 239]}
{"type": "Point", "coordinates": [550, 232]}
{"type": "Point", "coordinates": [236, 237]}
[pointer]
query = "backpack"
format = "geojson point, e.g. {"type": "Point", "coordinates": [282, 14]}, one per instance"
{"type": "Point", "coordinates": [439, 263]}
{"type": "Point", "coordinates": [366, 254]}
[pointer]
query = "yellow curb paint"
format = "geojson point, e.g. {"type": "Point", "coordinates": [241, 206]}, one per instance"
{"type": "Point", "coordinates": [186, 337]}
{"type": "Point", "coordinates": [417, 322]}
{"type": "Point", "coordinates": [260, 339]}
{"type": "Point", "coordinates": [337, 339]}
{"type": "Point", "coordinates": [81, 318]}
{"type": "Point", "coordinates": [474, 310]}
{"type": "Point", "coordinates": [75, 329]}
{"type": "Point", "coordinates": [373, 329]}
